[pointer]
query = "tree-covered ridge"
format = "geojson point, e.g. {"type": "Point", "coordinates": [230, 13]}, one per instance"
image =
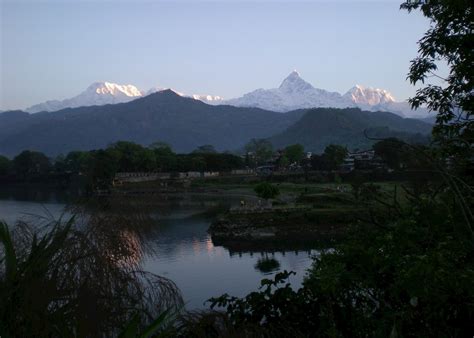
{"type": "Point", "coordinates": [185, 124]}
{"type": "Point", "coordinates": [350, 127]}
{"type": "Point", "coordinates": [182, 122]}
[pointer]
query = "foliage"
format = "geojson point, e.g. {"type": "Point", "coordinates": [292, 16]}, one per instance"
{"type": "Point", "coordinates": [400, 155]}
{"type": "Point", "coordinates": [101, 169]}
{"type": "Point", "coordinates": [294, 153]}
{"type": "Point", "coordinates": [277, 309]}
{"type": "Point", "coordinates": [332, 158]}
{"type": "Point", "coordinates": [266, 190]}
{"type": "Point", "coordinates": [5, 165]}
{"type": "Point", "coordinates": [76, 278]}
{"type": "Point", "coordinates": [267, 265]}
{"type": "Point", "coordinates": [283, 161]}
{"type": "Point", "coordinates": [449, 40]}
{"type": "Point", "coordinates": [77, 161]}
{"type": "Point", "coordinates": [390, 151]}
{"type": "Point", "coordinates": [261, 150]}
{"type": "Point", "coordinates": [133, 157]}
{"type": "Point", "coordinates": [409, 275]}
{"type": "Point", "coordinates": [335, 155]}
{"type": "Point", "coordinates": [30, 163]}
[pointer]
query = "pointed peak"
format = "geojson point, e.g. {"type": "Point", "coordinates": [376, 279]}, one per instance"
{"type": "Point", "coordinates": [293, 75]}
{"type": "Point", "coordinates": [294, 82]}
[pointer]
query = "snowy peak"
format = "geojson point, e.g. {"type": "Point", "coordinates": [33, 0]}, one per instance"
{"type": "Point", "coordinates": [293, 93]}
{"type": "Point", "coordinates": [98, 93]}
{"type": "Point", "coordinates": [101, 93]}
{"type": "Point", "coordinates": [369, 96]}
{"type": "Point", "coordinates": [210, 99]}
{"type": "Point", "coordinates": [113, 89]}
{"type": "Point", "coordinates": [294, 83]}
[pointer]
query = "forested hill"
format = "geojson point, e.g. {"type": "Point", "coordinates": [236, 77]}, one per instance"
{"type": "Point", "coordinates": [182, 122]}
{"type": "Point", "coordinates": [185, 124]}
{"type": "Point", "coordinates": [323, 126]}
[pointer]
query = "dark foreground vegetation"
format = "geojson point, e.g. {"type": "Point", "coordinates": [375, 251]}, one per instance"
{"type": "Point", "coordinates": [405, 271]}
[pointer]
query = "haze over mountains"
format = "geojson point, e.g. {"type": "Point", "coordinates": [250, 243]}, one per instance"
{"type": "Point", "coordinates": [186, 123]}
{"type": "Point", "coordinates": [293, 93]}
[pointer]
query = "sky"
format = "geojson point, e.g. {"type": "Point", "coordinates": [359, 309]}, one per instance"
{"type": "Point", "coordinates": [55, 49]}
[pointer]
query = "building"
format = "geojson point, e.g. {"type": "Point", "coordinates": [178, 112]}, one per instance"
{"type": "Point", "coordinates": [362, 160]}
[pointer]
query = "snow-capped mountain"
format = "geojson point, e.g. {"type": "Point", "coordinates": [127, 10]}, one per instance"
{"type": "Point", "coordinates": [374, 99]}
{"type": "Point", "coordinates": [293, 93]}
{"type": "Point", "coordinates": [98, 93]}
{"type": "Point", "coordinates": [210, 99]}
{"type": "Point", "coordinates": [101, 93]}
{"type": "Point", "coordinates": [368, 96]}
{"type": "Point", "coordinates": [296, 93]}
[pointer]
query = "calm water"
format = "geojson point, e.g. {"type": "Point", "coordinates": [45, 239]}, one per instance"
{"type": "Point", "coordinates": [181, 248]}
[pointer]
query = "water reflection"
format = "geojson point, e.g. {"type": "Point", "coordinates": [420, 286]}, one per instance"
{"type": "Point", "coordinates": [267, 265]}
{"type": "Point", "coordinates": [167, 235]}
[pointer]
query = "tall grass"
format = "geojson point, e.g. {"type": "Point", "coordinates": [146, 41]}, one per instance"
{"type": "Point", "coordinates": [79, 277]}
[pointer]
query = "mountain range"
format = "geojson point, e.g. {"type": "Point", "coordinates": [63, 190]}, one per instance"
{"type": "Point", "coordinates": [186, 123]}
{"type": "Point", "coordinates": [293, 93]}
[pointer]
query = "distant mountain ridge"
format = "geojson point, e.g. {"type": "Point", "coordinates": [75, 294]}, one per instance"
{"type": "Point", "coordinates": [102, 93]}
{"type": "Point", "coordinates": [165, 116]}
{"type": "Point", "coordinates": [293, 93]}
{"type": "Point", "coordinates": [296, 93]}
{"type": "Point", "coordinates": [185, 124]}
{"type": "Point", "coordinates": [98, 93]}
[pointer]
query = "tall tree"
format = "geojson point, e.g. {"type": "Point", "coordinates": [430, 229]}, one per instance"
{"type": "Point", "coordinates": [335, 155]}
{"type": "Point", "coordinates": [449, 40]}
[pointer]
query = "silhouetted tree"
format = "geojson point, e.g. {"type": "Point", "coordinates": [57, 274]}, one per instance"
{"type": "Point", "coordinates": [30, 163]}
{"type": "Point", "coordinates": [450, 39]}
{"type": "Point", "coordinates": [5, 165]}
{"type": "Point", "coordinates": [335, 155]}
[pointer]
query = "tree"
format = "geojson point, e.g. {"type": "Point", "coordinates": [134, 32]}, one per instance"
{"type": "Point", "coordinates": [283, 162]}
{"type": "Point", "coordinates": [165, 158]}
{"type": "Point", "coordinates": [77, 161]}
{"type": "Point", "coordinates": [450, 39]}
{"type": "Point", "coordinates": [30, 163]}
{"type": "Point", "coordinates": [266, 190]}
{"type": "Point", "coordinates": [5, 165]}
{"type": "Point", "coordinates": [133, 157]}
{"type": "Point", "coordinates": [390, 151]}
{"type": "Point", "coordinates": [335, 155]}
{"type": "Point", "coordinates": [261, 149]}
{"type": "Point", "coordinates": [102, 169]}
{"type": "Point", "coordinates": [294, 153]}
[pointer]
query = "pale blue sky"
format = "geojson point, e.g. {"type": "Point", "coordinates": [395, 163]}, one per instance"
{"type": "Point", "coordinates": [55, 49]}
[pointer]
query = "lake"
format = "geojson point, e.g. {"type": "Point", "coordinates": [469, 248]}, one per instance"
{"type": "Point", "coordinates": [180, 249]}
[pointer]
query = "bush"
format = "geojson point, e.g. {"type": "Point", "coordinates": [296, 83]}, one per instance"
{"type": "Point", "coordinates": [266, 190]}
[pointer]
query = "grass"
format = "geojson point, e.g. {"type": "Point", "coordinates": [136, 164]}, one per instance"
{"type": "Point", "coordinates": [76, 277]}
